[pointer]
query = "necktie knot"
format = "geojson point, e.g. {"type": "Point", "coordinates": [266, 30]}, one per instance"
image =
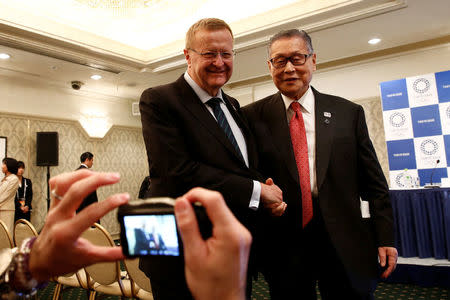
{"type": "Point", "coordinates": [296, 107]}
{"type": "Point", "coordinates": [214, 102]}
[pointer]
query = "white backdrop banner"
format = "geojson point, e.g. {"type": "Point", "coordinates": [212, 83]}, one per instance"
{"type": "Point", "coordinates": [416, 115]}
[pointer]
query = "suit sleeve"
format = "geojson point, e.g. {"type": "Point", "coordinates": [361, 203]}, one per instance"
{"type": "Point", "coordinates": [373, 186]}
{"type": "Point", "coordinates": [7, 189]}
{"type": "Point", "coordinates": [173, 163]}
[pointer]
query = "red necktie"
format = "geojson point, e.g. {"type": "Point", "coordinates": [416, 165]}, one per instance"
{"type": "Point", "coordinates": [300, 145]}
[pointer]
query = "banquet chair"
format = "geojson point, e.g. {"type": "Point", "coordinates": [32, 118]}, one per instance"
{"type": "Point", "coordinates": [72, 280]}
{"type": "Point", "coordinates": [5, 238]}
{"type": "Point", "coordinates": [105, 277]}
{"type": "Point", "coordinates": [140, 284]}
{"type": "Point", "coordinates": [23, 229]}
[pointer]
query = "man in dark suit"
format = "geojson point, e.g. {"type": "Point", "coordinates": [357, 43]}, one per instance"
{"type": "Point", "coordinates": [87, 160]}
{"type": "Point", "coordinates": [317, 148]}
{"type": "Point", "coordinates": [195, 136]}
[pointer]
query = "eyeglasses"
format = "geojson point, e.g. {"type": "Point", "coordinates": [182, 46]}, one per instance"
{"type": "Point", "coordinates": [213, 54]}
{"type": "Point", "coordinates": [296, 59]}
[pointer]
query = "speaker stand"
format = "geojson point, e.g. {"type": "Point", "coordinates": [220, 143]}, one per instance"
{"type": "Point", "coordinates": [48, 188]}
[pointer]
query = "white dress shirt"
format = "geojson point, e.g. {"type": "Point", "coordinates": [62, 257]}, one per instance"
{"type": "Point", "coordinates": [307, 103]}
{"type": "Point", "coordinates": [238, 135]}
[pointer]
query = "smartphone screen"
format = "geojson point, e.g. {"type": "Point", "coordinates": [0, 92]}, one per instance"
{"type": "Point", "coordinates": [151, 235]}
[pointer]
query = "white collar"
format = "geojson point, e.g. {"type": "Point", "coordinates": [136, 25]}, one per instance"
{"type": "Point", "coordinates": [306, 101]}
{"type": "Point", "coordinates": [201, 93]}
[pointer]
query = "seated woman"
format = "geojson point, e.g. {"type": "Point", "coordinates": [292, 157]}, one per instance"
{"type": "Point", "coordinates": [8, 189]}
{"type": "Point", "coordinates": [24, 195]}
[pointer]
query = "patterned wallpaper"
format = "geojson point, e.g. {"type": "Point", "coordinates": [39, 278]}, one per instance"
{"type": "Point", "coordinates": [374, 119]}
{"type": "Point", "coordinates": [121, 150]}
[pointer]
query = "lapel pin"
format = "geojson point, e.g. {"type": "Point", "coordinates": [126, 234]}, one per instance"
{"type": "Point", "coordinates": [327, 121]}
{"type": "Point", "coordinates": [327, 114]}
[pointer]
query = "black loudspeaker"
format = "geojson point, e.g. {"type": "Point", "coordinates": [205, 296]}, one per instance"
{"type": "Point", "coordinates": [47, 148]}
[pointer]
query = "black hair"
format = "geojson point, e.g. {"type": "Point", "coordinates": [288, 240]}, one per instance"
{"type": "Point", "coordinates": [86, 155]}
{"type": "Point", "coordinates": [20, 164]}
{"type": "Point", "coordinates": [11, 165]}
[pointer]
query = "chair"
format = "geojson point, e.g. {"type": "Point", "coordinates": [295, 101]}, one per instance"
{"type": "Point", "coordinates": [140, 284]}
{"type": "Point", "coordinates": [105, 277]}
{"type": "Point", "coordinates": [23, 229]}
{"type": "Point", "coordinates": [5, 238]}
{"type": "Point", "coordinates": [72, 280]}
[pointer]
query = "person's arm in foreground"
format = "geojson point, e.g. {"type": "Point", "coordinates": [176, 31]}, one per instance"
{"type": "Point", "coordinates": [215, 268]}
{"type": "Point", "coordinates": [59, 249]}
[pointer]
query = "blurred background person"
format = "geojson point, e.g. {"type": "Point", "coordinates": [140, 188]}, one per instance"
{"type": "Point", "coordinates": [87, 161]}
{"type": "Point", "coordinates": [8, 189]}
{"type": "Point", "coordinates": [24, 195]}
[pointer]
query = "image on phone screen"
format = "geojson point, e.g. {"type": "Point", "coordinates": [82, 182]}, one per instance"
{"type": "Point", "coordinates": [151, 235]}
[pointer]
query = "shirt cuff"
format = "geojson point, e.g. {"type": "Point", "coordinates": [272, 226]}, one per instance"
{"type": "Point", "coordinates": [256, 194]}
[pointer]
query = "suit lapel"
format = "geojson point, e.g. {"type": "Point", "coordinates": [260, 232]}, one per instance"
{"type": "Point", "coordinates": [195, 106]}
{"type": "Point", "coordinates": [324, 111]}
{"type": "Point", "coordinates": [279, 128]}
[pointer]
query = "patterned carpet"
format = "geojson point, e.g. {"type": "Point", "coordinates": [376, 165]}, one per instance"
{"type": "Point", "coordinates": [385, 291]}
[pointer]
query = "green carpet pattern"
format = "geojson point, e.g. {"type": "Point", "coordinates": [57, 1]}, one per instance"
{"type": "Point", "coordinates": [385, 291]}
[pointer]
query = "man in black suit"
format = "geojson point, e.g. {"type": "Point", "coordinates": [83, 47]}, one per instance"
{"type": "Point", "coordinates": [317, 148]}
{"type": "Point", "coordinates": [87, 160]}
{"type": "Point", "coordinates": [195, 136]}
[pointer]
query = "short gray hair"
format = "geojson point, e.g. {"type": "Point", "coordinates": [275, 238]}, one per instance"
{"type": "Point", "coordinates": [285, 34]}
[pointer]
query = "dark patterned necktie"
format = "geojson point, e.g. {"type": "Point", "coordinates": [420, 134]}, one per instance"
{"type": "Point", "coordinates": [214, 103]}
{"type": "Point", "coordinates": [300, 146]}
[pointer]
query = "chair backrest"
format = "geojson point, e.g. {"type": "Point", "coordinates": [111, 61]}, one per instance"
{"type": "Point", "coordinates": [136, 275]}
{"type": "Point", "coordinates": [23, 229]}
{"type": "Point", "coordinates": [103, 273]}
{"type": "Point", "coordinates": [5, 238]}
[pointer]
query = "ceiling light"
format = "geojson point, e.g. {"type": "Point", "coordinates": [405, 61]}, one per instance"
{"type": "Point", "coordinates": [4, 56]}
{"type": "Point", "coordinates": [95, 124]}
{"type": "Point", "coordinates": [96, 77]}
{"type": "Point", "coordinates": [374, 41]}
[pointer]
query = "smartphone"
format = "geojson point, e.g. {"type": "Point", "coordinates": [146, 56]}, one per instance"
{"type": "Point", "coordinates": [148, 227]}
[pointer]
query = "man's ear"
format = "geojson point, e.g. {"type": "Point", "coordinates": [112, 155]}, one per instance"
{"type": "Point", "coordinates": [187, 56]}
{"type": "Point", "coordinates": [269, 64]}
{"type": "Point", "coordinates": [314, 61]}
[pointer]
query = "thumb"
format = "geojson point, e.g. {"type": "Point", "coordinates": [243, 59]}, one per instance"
{"type": "Point", "coordinates": [187, 224]}
{"type": "Point", "coordinates": [269, 181]}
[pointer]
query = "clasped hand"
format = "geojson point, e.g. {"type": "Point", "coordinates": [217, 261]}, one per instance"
{"type": "Point", "coordinates": [272, 198]}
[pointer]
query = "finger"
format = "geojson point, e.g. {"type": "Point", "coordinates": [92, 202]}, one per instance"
{"type": "Point", "coordinates": [216, 209]}
{"type": "Point", "coordinates": [105, 254]}
{"type": "Point", "coordinates": [269, 181]}
{"type": "Point", "coordinates": [188, 226]}
{"type": "Point", "coordinates": [392, 264]}
{"type": "Point", "coordinates": [388, 271]}
{"type": "Point", "coordinates": [89, 215]}
{"type": "Point", "coordinates": [81, 188]}
{"type": "Point", "coordinates": [62, 182]}
{"type": "Point", "coordinates": [278, 210]}
{"type": "Point", "coordinates": [382, 257]}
